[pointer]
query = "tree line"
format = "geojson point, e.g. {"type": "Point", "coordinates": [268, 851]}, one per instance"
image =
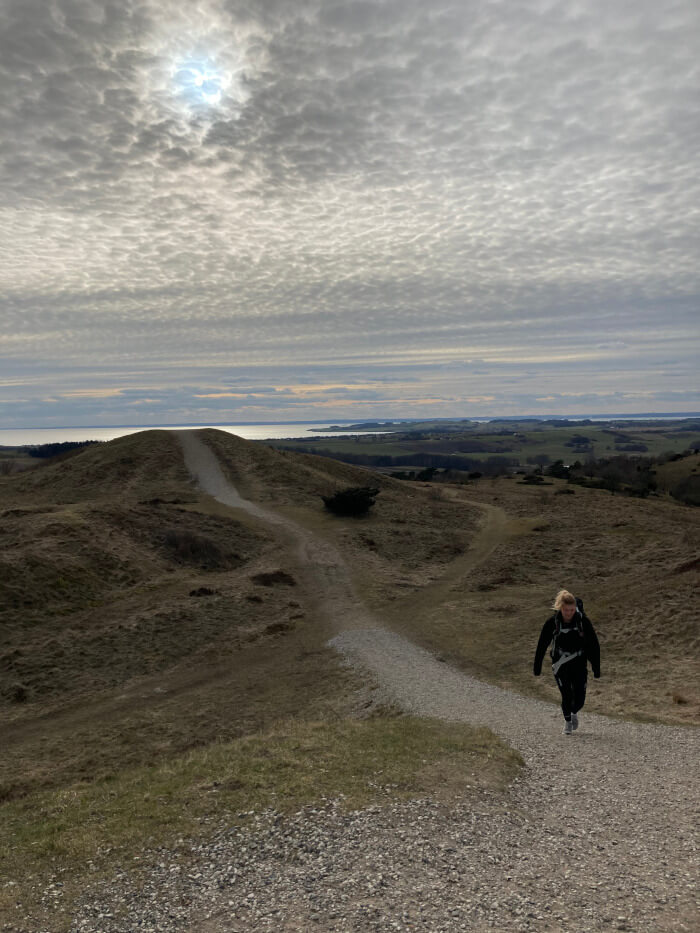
{"type": "Point", "coordinates": [44, 451]}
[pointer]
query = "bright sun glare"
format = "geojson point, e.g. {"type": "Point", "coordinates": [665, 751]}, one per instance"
{"type": "Point", "coordinates": [199, 83]}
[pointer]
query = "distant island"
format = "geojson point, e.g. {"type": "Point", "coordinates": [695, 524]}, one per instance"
{"type": "Point", "coordinates": [365, 426]}
{"type": "Point", "coordinates": [462, 424]}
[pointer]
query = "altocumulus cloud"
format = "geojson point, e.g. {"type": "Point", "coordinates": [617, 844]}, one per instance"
{"type": "Point", "coordinates": [373, 208]}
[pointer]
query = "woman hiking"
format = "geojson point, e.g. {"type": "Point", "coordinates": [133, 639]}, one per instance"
{"type": "Point", "coordinates": [575, 643]}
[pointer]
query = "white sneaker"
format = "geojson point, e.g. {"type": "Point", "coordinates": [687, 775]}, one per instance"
{"type": "Point", "coordinates": [568, 727]}
{"type": "Point", "coordinates": [574, 721]}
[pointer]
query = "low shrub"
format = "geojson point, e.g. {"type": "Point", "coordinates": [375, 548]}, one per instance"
{"type": "Point", "coordinates": [188, 548]}
{"type": "Point", "coordinates": [356, 500]}
{"type": "Point", "coordinates": [687, 490]}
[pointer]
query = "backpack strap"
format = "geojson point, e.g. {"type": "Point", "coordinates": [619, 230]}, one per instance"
{"type": "Point", "coordinates": [578, 625]}
{"type": "Point", "coordinates": [563, 659]}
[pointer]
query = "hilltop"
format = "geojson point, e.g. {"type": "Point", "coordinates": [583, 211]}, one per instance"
{"type": "Point", "coordinates": [117, 572]}
{"type": "Point", "coordinates": [147, 463]}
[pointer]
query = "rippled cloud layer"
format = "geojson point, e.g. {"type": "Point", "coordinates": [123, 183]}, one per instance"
{"type": "Point", "coordinates": [275, 209]}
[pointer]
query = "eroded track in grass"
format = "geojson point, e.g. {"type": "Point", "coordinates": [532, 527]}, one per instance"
{"type": "Point", "coordinates": [323, 569]}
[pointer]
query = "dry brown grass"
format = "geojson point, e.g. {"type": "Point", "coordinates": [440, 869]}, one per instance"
{"type": "Point", "coordinates": [410, 535]}
{"type": "Point", "coordinates": [132, 622]}
{"type": "Point", "coordinates": [93, 595]}
{"type": "Point", "coordinates": [141, 465]}
{"type": "Point", "coordinates": [633, 561]}
{"type": "Point", "coordinates": [142, 621]}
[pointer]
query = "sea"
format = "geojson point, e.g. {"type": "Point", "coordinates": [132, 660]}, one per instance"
{"type": "Point", "coordinates": [19, 437]}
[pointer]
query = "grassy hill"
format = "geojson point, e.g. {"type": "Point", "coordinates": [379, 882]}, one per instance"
{"type": "Point", "coordinates": [680, 477]}
{"type": "Point", "coordinates": [412, 529]}
{"type": "Point", "coordinates": [95, 569]}
{"type": "Point", "coordinates": [141, 465]}
{"type": "Point", "coordinates": [102, 551]}
{"type": "Point", "coordinates": [155, 644]}
{"type": "Point", "coordinates": [153, 640]}
{"type": "Point", "coordinates": [636, 563]}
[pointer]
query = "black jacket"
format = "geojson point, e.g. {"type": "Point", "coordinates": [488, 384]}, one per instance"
{"type": "Point", "coordinates": [591, 648]}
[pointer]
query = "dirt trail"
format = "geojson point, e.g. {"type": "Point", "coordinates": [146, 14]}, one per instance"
{"type": "Point", "coordinates": [322, 568]}
{"type": "Point", "coordinates": [496, 529]}
{"type": "Point", "coordinates": [608, 818]}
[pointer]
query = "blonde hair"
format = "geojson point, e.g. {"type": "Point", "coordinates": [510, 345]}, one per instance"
{"type": "Point", "coordinates": [563, 596]}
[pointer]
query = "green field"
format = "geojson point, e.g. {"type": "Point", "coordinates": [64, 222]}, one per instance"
{"type": "Point", "coordinates": [516, 443]}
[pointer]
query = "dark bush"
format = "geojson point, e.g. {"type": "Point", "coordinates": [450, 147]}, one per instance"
{"type": "Point", "coordinates": [204, 591]}
{"type": "Point", "coordinates": [188, 548]}
{"type": "Point", "coordinates": [44, 451]}
{"type": "Point", "coordinates": [687, 490]}
{"type": "Point", "coordinates": [18, 693]}
{"type": "Point", "coordinates": [356, 500]}
{"type": "Point", "coordinates": [273, 578]}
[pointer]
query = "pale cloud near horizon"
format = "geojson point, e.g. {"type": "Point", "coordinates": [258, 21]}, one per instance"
{"type": "Point", "coordinates": [271, 209]}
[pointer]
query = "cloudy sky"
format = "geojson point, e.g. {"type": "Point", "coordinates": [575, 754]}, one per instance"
{"type": "Point", "coordinates": [271, 210]}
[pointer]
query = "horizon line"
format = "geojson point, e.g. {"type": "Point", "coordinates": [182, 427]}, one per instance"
{"type": "Point", "coordinates": [385, 420]}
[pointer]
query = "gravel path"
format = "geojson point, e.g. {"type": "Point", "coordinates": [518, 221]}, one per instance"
{"type": "Point", "coordinates": [599, 833]}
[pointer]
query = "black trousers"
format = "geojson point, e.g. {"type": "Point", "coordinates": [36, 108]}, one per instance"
{"type": "Point", "coordinates": [571, 679]}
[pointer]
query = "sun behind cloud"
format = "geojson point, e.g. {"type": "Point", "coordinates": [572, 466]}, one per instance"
{"type": "Point", "coordinates": [201, 59]}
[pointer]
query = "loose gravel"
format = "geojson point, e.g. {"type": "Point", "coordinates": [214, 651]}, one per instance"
{"type": "Point", "coordinates": [599, 833]}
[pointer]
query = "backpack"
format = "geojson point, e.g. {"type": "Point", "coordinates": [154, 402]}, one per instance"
{"type": "Point", "coordinates": [568, 640]}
